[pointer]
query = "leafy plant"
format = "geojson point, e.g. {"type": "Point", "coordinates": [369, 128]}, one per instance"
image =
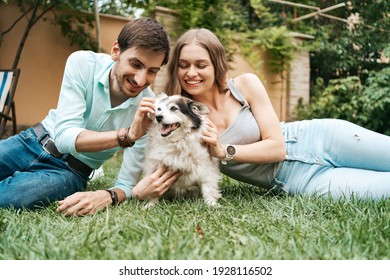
{"type": "Point", "coordinates": [248, 24]}
{"type": "Point", "coordinates": [68, 14]}
{"type": "Point", "coordinates": [337, 100]}
{"type": "Point", "coordinates": [376, 101]}
{"type": "Point", "coordinates": [276, 41]}
{"type": "Point", "coordinates": [366, 104]}
{"type": "Point", "coordinates": [349, 49]}
{"type": "Point", "coordinates": [77, 27]}
{"type": "Point", "coordinates": [221, 17]}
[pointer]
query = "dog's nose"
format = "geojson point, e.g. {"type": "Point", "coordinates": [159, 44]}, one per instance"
{"type": "Point", "coordinates": [159, 118]}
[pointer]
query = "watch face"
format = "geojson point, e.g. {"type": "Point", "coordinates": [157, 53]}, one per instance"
{"type": "Point", "coordinates": [231, 151]}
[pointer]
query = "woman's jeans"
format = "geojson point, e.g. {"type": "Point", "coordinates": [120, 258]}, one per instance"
{"type": "Point", "coordinates": [334, 158]}
{"type": "Point", "coordinates": [30, 177]}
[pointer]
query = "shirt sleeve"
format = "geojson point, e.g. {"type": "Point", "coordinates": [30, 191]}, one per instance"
{"type": "Point", "coordinates": [72, 101]}
{"type": "Point", "coordinates": [132, 166]}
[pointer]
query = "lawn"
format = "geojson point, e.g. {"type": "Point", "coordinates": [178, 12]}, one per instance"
{"type": "Point", "coordinates": [250, 224]}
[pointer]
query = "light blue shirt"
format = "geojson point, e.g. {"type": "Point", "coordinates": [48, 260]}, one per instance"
{"type": "Point", "coordinates": [84, 104]}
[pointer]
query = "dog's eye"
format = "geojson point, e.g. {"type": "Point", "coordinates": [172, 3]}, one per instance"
{"type": "Point", "coordinates": [174, 108]}
{"type": "Point", "coordinates": [158, 109]}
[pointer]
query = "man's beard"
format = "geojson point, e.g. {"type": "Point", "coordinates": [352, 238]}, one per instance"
{"type": "Point", "coordinates": [121, 92]}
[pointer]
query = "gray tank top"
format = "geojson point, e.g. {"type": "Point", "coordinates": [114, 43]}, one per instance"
{"type": "Point", "coordinates": [245, 130]}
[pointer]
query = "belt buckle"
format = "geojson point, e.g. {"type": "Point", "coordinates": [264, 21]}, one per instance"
{"type": "Point", "coordinates": [51, 152]}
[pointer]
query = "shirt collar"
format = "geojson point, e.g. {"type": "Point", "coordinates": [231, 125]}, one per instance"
{"type": "Point", "coordinates": [105, 78]}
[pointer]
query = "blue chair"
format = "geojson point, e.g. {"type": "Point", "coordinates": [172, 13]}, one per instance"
{"type": "Point", "coordinates": [8, 82]}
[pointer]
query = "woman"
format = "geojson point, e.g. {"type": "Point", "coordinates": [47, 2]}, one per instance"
{"type": "Point", "coordinates": [322, 157]}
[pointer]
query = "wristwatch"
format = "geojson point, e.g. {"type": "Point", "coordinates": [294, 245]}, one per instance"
{"type": "Point", "coordinates": [230, 152]}
{"type": "Point", "coordinates": [114, 197]}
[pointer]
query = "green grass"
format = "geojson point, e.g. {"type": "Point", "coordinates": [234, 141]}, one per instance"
{"type": "Point", "coordinates": [250, 224]}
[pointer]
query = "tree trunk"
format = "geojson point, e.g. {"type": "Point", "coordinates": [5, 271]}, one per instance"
{"type": "Point", "coordinates": [33, 19]}
{"type": "Point", "coordinates": [97, 23]}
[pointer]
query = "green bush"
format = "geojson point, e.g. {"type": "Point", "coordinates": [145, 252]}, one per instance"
{"type": "Point", "coordinates": [366, 104]}
{"type": "Point", "coordinates": [376, 101]}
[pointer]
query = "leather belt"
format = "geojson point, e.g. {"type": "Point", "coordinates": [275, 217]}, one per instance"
{"type": "Point", "coordinates": [50, 147]}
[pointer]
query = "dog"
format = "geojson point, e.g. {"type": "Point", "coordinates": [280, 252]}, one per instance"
{"type": "Point", "coordinates": [174, 140]}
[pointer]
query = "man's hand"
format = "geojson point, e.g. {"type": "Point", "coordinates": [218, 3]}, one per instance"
{"type": "Point", "coordinates": [84, 203]}
{"type": "Point", "coordinates": [143, 119]}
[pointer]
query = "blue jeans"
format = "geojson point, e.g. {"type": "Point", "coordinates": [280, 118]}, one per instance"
{"type": "Point", "coordinates": [334, 158]}
{"type": "Point", "coordinates": [32, 178]}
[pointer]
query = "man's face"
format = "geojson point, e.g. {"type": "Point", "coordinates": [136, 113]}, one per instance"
{"type": "Point", "coordinates": [134, 70]}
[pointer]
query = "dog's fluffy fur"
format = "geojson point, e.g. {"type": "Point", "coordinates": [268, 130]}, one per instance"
{"type": "Point", "coordinates": [174, 140]}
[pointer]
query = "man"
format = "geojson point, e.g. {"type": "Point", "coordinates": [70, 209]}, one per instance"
{"type": "Point", "coordinates": [103, 107]}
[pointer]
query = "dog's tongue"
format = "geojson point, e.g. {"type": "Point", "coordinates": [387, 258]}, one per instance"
{"type": "Point", "coordinates": [166, 129]}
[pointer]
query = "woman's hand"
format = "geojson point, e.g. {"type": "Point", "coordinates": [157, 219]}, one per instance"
{"type": "Point", "coordinates": [155, 184]}
{"type": "Point", "coordinates": [211, 140]}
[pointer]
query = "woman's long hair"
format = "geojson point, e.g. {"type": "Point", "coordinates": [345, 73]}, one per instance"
{"type": "Point", "coordinates": [207, 40]}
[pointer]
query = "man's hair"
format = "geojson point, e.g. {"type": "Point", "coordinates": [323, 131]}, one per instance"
{"type": "Point", "coordinates": [210, 42]}
{"type": "Point", "coordinates": [145, 33]}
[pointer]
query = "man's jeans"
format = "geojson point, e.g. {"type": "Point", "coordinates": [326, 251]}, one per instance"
{"type": "Point", "coordinates": [32, 178]}
{"type": "Point", "coordinates": [334, 158]}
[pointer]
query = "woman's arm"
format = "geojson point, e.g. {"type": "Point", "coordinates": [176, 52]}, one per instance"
{"type": "Point", "coordinates": [271, 148]}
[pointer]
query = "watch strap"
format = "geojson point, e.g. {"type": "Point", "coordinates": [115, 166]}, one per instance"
{"type": "Point", "coordinates": [228, 156]}
{"type": "Point", "coordinates": [122, 136]}
{"type": "Point", "coordinates": [114, 197]}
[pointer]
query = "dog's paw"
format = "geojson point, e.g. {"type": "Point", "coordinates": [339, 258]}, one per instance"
{"type": "Point", "coordinates": [213, 203]}
{"type": "Point", "coordinates": [147, 206]}
{"type": "Point", "coordinates": [150, 204]}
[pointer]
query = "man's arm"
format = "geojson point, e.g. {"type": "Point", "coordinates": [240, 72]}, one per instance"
{"type": "Point", "coordinates": [92, 141]}
{"type": "Point", "coordinates": [88, 203]}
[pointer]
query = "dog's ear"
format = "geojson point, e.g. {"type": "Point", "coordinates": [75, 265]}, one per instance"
{"type": "Point", "coordinates": [161, 96]}
{"type": "Point", "coordinates": [199, 108]}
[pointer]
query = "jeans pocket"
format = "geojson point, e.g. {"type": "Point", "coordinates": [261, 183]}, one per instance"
{"type": "Point", "coordinates": [78, 173]}
{"type": "Point", "coordinates": [28, 134]}
{"type": "Point", "coordinates": [294, 131]}
{"type": "Point", "coordinates": [279, 187]}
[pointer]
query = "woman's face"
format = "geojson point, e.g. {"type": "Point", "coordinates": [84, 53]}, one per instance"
{"type": "Point", "coordinates": [196, 71]}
